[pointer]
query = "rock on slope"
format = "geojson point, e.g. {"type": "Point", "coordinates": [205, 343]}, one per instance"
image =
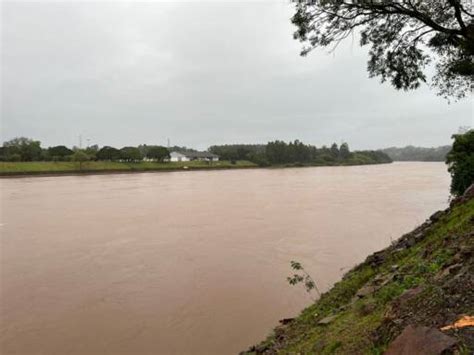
{"type": "Point", "coordinates": [397, 301]}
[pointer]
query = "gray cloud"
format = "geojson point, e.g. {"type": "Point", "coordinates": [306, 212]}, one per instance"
{"type": "Point", "coordinates": [199, 73]}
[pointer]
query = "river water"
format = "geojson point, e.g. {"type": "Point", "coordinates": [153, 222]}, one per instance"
{"type": "Point", "coordinates": [189, 262]}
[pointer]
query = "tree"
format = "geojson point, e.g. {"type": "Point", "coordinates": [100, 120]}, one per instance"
{"type": "Point", "coordinates": [59, 151]}
{"type": "Point", "coordinates": [3, 154]}
{"type": "Point", "coordinates": [91, 151]}
{"type": "Point", "coordinates": [238, 151]}
{"type": "Point", "coordinates": [93, 148]}
{"type": "Point", "coordinates": [80, 156]}
{"type": "Point", "coordinates": [334, 151]}
{"type": "Point", "coordinates": [460, 162]}
{"type": "Point", "coordinates": [108, 153]}
{"type": "Point", "coordinates": [157, 153]}
{"type": "Point", "coordinates": [344, 152]}
{"type": "Point", "coordinates": [277, 152]}
{"type": "Point", "coordinates": [130, 154]}
{"type": "Point", "coordinates": [404, 36]}
{"type": "Point", "coordinates": [27, 149]}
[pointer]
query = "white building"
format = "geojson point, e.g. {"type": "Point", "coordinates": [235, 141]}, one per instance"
{"type": "Point", "coordinates": [190, 156]}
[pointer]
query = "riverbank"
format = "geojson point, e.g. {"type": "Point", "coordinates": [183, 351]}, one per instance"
{"type": "Point", "coordinates": [408, 296]}
{"type": "Point", "coordinates": [26, 169]}
{"type": "Point", "coordinates": [18, 169]}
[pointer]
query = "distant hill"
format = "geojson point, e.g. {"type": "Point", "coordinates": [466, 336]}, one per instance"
{"type": "Point", "coordinates": [411, 153]}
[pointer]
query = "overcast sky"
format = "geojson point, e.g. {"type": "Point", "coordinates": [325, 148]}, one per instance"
{"type": "Point", "coordinates": [200, 73]}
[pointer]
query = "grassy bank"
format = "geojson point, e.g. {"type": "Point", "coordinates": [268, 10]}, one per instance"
{"type": "Point", "coordinates": [41, 167]}
{"type": "Point", "coordinates": [44, 168]}
{"type": "Point", "coordinates": [423, 279]}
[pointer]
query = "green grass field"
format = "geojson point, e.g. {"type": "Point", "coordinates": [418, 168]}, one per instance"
{"type": "Point", "coordinates": [42, 167]}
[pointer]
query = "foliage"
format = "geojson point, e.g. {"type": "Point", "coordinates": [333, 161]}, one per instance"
{"type": "Point", "coordinates": [301, 276]}
{"type": "Point", "coordinates": [130, 154]}
{"type": "Point", "coordinates": [344, 152]}
{"type": "Point", "coordinates": [259, 158]}
{"type": "Point", "coordinates": [279, 152]}
{"type": "Point", "coordinates": [60, 152]}
{"type": "Point", "coordinates": [334, 151]}
{"type": "Point", "coordinates": [411, 153]}
{"type": "Point", "coordinates": [108, 153]}
{"type": "Point", "coordinates": [15, 157]}
{"type": "Point", "coordinates": [27, 149]}
{"type": "Point", "coordinates": [92, 151]}
{"type": "Point", "coordinates": [157, 153]}
{"type": "Point", "coordinates": [181, 149]}
{"type": "Point", "coordinates": [460, 162]}
{"type": "Point", "coordinates": [297, 153]}
{"type": "Point", "coordinates": [374, 155]}
{"type": "Point", "coordinates": [80, 156]}
{"type": "Point", "coordinates": [237, 151]}
{"type": "Point", "coordinates": [404, 36]}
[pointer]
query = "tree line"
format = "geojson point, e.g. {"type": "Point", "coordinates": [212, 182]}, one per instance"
{"type": "Point", "coordinates": [411, 153]}
{"type": "Point", "coordinates": [460, 158]}
{"type": "Point", "coordinates": [26, 149]}
{"type": "Point", "coordinates": [298, 153]}
{"type": "Point", "coordinates": [272, 153]}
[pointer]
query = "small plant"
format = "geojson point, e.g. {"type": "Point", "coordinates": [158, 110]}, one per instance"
{"type": "Point", "coordinates": [81, 157]}
{"type": "Point", "coordinates": [301, 276]}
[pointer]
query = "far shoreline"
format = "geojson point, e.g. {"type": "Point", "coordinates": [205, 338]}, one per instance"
{"type": "Point", "coordinates": [7, 175]}
{"type": "Point", "coordinates": [90, 172]}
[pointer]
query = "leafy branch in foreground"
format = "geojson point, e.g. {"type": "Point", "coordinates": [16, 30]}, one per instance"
{"type": "Point", "coordinates": [301, 276]}
{"type": "Point", "coordinates": [404, 36]}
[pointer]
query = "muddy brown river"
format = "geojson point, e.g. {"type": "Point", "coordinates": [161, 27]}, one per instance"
{"type": "Point", "coordinates": [189, 262]}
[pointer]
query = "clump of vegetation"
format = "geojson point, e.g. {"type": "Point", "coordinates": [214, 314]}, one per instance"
{"type": "Point", "coordinates": [29, 150]}
{"type": "Point", "coordinates": [156, 153]}
{"type": "Point", "coordinates": [21, 149]}
{"type": "Point", "coordinates": [301, 276]}
{"type": "Point", "coordinates": [80, 157]}
{"type": "Point", "coordinates": [296, 153]}
{"type": "Point", "coordinates": [460, 162]}
{"type": "Point", "coordinates": [403, 36]}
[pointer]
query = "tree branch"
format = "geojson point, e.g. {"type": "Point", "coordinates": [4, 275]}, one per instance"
{"type": "Point", "coordinates": [457, 14]}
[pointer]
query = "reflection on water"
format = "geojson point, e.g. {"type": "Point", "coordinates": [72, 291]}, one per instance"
{"type": "Point", "coordinates": [189, 262]}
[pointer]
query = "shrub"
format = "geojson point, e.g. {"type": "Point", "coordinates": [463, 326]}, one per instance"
{"type": "Point", "coordinates": [460, 162]}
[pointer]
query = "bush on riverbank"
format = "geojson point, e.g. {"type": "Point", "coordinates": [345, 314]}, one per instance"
{"type": "Point", "coordinates": [461, 162]}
